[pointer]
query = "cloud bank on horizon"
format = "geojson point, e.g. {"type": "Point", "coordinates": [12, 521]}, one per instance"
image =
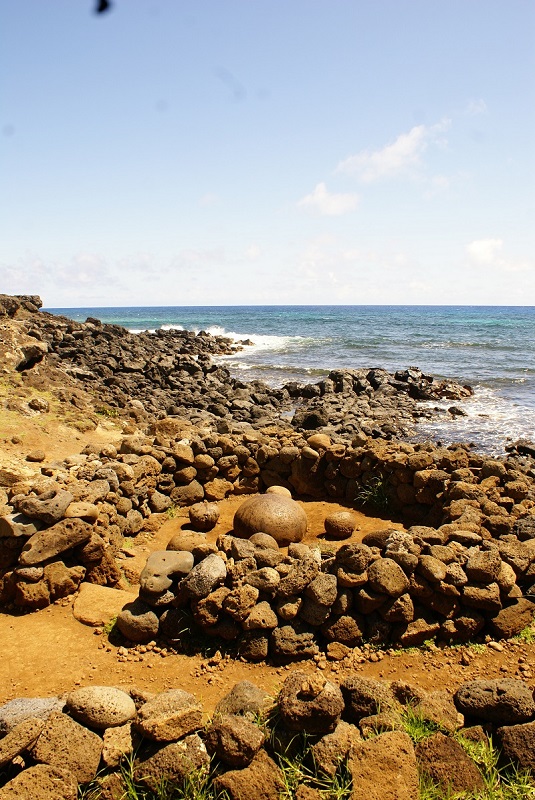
{"type": "Point", "coordinates": [269, 153]}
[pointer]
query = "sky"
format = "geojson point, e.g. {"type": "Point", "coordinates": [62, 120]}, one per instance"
{"type": "Point", "coordinates": [259, 152]}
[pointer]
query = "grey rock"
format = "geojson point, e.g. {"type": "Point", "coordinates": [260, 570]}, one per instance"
{"type": "Point", "coordinates": [161, 567]}
{"type": "Point", "coordinates": [138, 622]}
{"type": "Point", "coordinates": [16, 525]}
{"type": "Point", "coordinates": [245, 699]}
{"type": "Point", "coordinates": [504, 701]}
{"type": "Point", "coordinates": [204, 577]}
{"type": "Point", "coordinates": [48, 511]}
{"type": "Point", "coordinates": [23, 708]}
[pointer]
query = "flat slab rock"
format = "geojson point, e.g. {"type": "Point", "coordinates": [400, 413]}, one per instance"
{"type": "Point", "coordinates": [169, 716]}
{"type": "Point", "coordinates": [97, 605]}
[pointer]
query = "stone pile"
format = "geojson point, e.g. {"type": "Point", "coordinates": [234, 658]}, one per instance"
{"type": "Point", "coordinates": [393, 587]}
{"type": "Point", "coordinates": [52, 746]}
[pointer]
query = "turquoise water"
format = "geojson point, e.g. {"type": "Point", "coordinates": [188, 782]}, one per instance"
{"type": "Point", "coordinates": [491, 348]}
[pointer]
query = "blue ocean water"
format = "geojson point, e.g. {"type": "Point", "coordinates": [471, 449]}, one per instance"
{"type": "Point", "coordinates": [490, 348]}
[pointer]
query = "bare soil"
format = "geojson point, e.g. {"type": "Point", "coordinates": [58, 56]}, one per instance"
{"type": "Point", "coordinates": [48, 652]}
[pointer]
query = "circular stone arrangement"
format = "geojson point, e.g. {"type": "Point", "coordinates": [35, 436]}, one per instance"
{"type": "Point", "coordinates": [275, 514]}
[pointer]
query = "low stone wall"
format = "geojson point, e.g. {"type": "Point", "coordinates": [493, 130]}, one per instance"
{"type": "Point", "coordinates": [357, 730]}
{"type": "Point", "coordinates": [467, 558]}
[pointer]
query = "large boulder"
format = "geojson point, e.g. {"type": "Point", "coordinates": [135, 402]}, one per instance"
{"type": "Point", "coordinates": [279, 516]}
{"type": "Point", "coordinates": [504, 701]}
{"type": "Point", "coordinates": [310, 703]}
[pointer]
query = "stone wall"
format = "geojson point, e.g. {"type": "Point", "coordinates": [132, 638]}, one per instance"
{"type": "Point", "coordinates": [104, 739]}
{"type": "Point", "coordinates": [467, 558]}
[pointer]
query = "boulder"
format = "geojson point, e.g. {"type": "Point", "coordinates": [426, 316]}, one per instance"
{"type": "Point", "coordinates": [204, 577]}
{"type": "Point", "coordinates": [244, 699]}
{"type": "Point", "coordinates": [518, 744]}
{"type": "Point", "coordinates": [20, 709]}
{"type": "Point", "coordinates": [279, 516]}
{"type": "Point", "coordinates": [49, 511]}
{"type": "Point", "coordinates": [504, 701]}
{"type": "Point", "coordinates": [19, 739]}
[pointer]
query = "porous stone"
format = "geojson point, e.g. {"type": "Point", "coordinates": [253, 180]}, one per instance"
{"type": "Point", "coordinates": [18, 525]}
{"type": "Point", "coordinates": [387, 577]}
{"type": "Point", "coordinates": [41, 782]}
{"type": "Point", "coordinates": [518, 744]}
{"type": "Point", "coordinates": [310, 703]}
{"type": "Point", "coordinates": [447, 764]}
{"type": "Point", "coordinates": [118, 742]}
{"type": "Point", "coordinates": [100, 707]}
{"type": "Point", "coordinates": [48, 511]}
{"type": "Point", "coordinates": [65, 744]}
{"type": "Point", "coordinates": [233, 739]}
{"type": "Point", "coordinates": [19, 739]}
{"type": "Point", "coordinates": [48, 543]}
{"type": "Point", "coordinates": [364, 697]}
{"type": "Point", "coordinates": [279, 516]}
{"type": "Point", "coordinates": [171, 762]}
{"type": "Point", "coordinates": [504, 701]}
{"type": "Point", "coordinates": [384, 768]}
{"type": "Point", "coordinates": [333, 748]}
{"type": "Point", "coordinates": [169, 716]}
{"type": "Point", "coordinates": [245, 699]}
{"type": "Point", "coordinates": [261, 780]}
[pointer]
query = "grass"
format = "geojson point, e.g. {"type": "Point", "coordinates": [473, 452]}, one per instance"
{"type": "Point", "coordinates": [110, 625]}
{"type": "Point", "coordinates": [527, 636]}
{"type": "Point", "coordinates": [374, 493]}
{"type": "Point", "coordinates": [501, 782]}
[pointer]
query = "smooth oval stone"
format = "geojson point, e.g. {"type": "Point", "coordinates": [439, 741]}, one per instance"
{"type": "Point", "coordinates": [101, 706]}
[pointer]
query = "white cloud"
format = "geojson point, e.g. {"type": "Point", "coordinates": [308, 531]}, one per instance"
{"type": "Point", "coordinates": [485, 251]}
{"type": "Point", "coordinates": [209, 199]}
{"type": "Point", "coordinates": [476, 107]}
{"type": "Point", "coordinates": [489, 253]}
{"type": "Point", "coordinates": [400, 157]}
{"type": "Point", "coordinates": [328, 204]}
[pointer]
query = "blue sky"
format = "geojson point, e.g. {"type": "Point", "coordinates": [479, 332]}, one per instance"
{"type": "Point", "coordinates": [214, 152]}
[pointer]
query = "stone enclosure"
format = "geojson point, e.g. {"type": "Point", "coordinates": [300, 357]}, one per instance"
{"type": "Point", "coordinates": [463, 567]}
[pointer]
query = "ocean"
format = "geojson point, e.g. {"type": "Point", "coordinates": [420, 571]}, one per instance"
{"type": "Point", "coordinates": [490, 348]}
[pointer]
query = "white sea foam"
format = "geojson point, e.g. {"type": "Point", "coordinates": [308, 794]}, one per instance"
{"type": "Point", "coordinates": [172, 327]}
{"type": "Point", "coordinates": [491, 419]}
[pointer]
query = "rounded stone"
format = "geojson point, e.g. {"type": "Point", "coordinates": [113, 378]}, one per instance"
{"type": "Point", "coordinates": [279, 516]}
{"type": "Point", "coordinates": [264, 540]}
{"type": "Point", "coordinates": [138, 622]}
{"type": "Point", "coordinates": [204, 516]}
{"type": "Point", "coordinates": [282, 490]}
{"type": "Point", "coordinates": [340, 525]}
{"type": "Point", "coordinates": [101, 707]}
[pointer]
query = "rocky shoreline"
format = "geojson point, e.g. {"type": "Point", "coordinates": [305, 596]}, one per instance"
{"type": "Point", "coordinates": [458, 565]}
